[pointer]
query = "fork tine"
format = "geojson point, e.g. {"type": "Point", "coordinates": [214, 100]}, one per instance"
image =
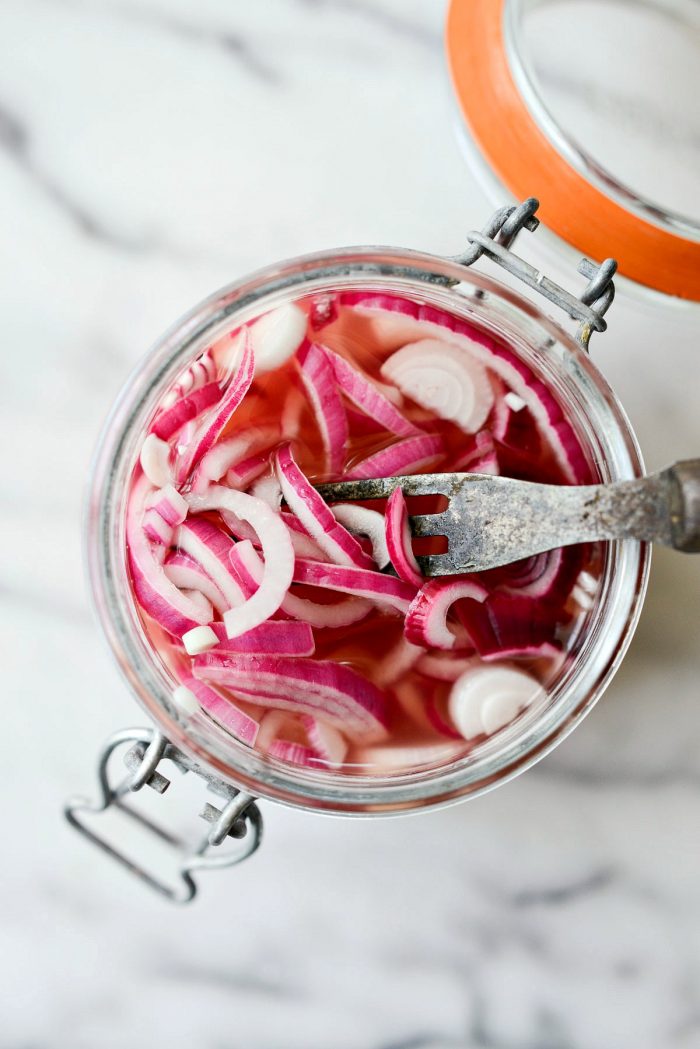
{"type": "Point", "coordinates": [429, 524]}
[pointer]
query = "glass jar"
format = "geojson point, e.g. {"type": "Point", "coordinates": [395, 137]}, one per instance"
{"type": "Point", "coordinates": [609, 152]}
{"type": "Point", "coordinates": [594, 412]}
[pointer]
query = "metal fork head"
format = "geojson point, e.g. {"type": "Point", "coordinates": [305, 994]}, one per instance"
{"type": "Point", "coordinates": [493, 521]}
{"type": "Point", "coordinates": [452, 523]}
{"type": "Point", "coordinates": [489, 521]}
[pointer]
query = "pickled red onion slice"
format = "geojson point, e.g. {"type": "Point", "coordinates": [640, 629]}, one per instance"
{"type": "Point", "coordinates": [172, 419]}
{"type": "Point", "coordinates": [318, 378]}
{"type": "Point", "coordinates": [155, 461]}
{"type": "Point", "coordinates": [276, 336]}
{"type": "Point", "coordinates": [395, 756]}
{"type": "Point", "coordinates": [274, 637]}
{"type": "Point", "coordinates": [317, 518]}
{"type": "Point", "coordinates": [250, 570]}
{"type": "Point", "coordinates": [157, 529]}
{"type": "Point", "coordinates": [408, 456]}
{"type": "Point", "coordinates": [223, 710]}
{"type": "Point", "coordinates": [444, 378]}
{"type": "Point", "coordinates": [537, 576]}
{"type": "Point", "coordinates": [200, 372]}
{"type": "Point", "coordinates": [278, 724]}
{"type": "Point", "coordinates": [227, 453]}
{"type": "Point", "coordinates": [294, 753]}
{"type": "Point", "coordinates": [169, 504]}
{"type": "Point", "coordinates": [246, 471]}
{"type": "Point", "coordinates": [426, 620]}
{"type": "Point", "coordinates": [398, 540]}
{"type": "Point", "coordinates": [201, 639]}
{"type": "Point", "coordinates": [326, 741]}
{"type": "Point", "coordinates": [277, 552]}
{"type": "Point", "coordinates": [398, 660]}
{"type": "Point", "coordinates": [481, 459]}
{"type": "Point", "coordinates": [485, 699]}
{"type": "Point", "coordinates": [211, 429]}
{"type": "Point", "coordinates": [210, 546]}
{"type": "Point", "coordinates": [506, 626]}
{"type": "Point", "coordinates": [369, 398]}
{"type": "Point", "coordinates": [188, 574]}
{"type": "Point", "coordinates": [360, 520]}
{"type": "Point", "coordinates": [374, 586]}
{"type": "Point", "coordinates": [323, 689]}
{"type": "Point", "coordinates": [204, 606]}
{"type": "Point", "coordinates": [158, 597]}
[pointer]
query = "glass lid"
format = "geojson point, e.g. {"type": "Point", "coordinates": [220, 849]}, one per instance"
{"type": "Point", "coordinates": [589, 105]}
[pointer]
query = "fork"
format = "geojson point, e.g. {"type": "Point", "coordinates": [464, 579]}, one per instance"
{"type": "Point", "coordinates": [492, 521]}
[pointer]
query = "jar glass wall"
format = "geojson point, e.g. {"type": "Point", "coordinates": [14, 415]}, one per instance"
{"type": "Point", "coordinates": [590, 406]}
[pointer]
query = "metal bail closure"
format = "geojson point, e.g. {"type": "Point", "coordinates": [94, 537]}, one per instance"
{"type": "Point", "coordinates": [495, 241]}
{"type": "Point", "coordinates": [237, 818]}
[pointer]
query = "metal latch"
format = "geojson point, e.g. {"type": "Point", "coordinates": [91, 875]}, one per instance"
{"type": "Point", "coordinates": [238, 817]}
{"type": "Point", "coordinates": [495, 241]}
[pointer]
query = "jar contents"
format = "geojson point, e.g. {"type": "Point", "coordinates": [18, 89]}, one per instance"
{"type": "Point", "coordinates": [307, 631]}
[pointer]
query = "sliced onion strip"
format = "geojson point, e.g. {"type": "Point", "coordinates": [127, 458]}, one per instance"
{"type": "Point", "coordinates": [319, 381]}
{"type": "Point", "coordinates": [317, 518]}
{"type": "Point", "coordinates": [443, 378]}
{"type": "Point", "coordinates": [308, 686]}
{"type": "Point", "coordinates": [362, 521]}
{"type": "Point", "coordinates": [277, 551]}
{"type": "Point", "coordinates": [409, 456]}
{"type": "Point", "coordinates": [210, 546]}
{"type": "Point", "coordinates": [225, 454]}
{"type": "Point", "coordinates": [426, 620]}
{"type": "Point", "coordinates": [326, 741]}
{"type": "Point", "coordinates": [169, 504]}
{"type": "Point", "coordinates": [485, 699]}
{"type": "Point", "coordinates": [158, 597]}
{"type": "Point", "coordinates": [172, 419]}
{"type": "Point", "coordinates": [373, 586]}
{"type": "Point", "coordinates": [249, 567]}
{"type": "Point", "coordinates": [155, 461]}
{"type": "Point", "coordinates": [366, 396]}
{"type": "Point", "coordinates": [188, 574]}
{"type": "Point", "coordinates": [275, 637]}
{"type": "Point", "coordinates": [212, 429]}
{"type": "Point", "coordinates": [398, 540]}
{"type": "Point", "coordinates": [223, 710]}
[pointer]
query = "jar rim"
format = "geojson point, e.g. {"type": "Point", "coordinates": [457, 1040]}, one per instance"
{"type": "Point", "coordinates": [511, 132]}
{"type": "Point", "coordinates": [603, 177]}
{"type": "Point", "coordinates": [116, 455]}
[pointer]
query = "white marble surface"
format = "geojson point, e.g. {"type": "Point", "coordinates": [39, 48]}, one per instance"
{"type": "Point", "coordinates": [151, 150]}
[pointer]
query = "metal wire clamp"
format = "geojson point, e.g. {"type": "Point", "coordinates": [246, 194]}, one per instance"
{"type": "Point", "coordinates": [237, 818]}
{"type": "Point", "coordinates": [495, 241]}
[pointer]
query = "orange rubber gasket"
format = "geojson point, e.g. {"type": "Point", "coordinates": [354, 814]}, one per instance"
{"type": "Point", "coordinates": [527, 163]}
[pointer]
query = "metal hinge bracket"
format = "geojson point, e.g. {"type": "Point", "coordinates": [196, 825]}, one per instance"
{"type": "Point", "coordinates": [237, 817]}
{"type": "Point", "coordinates": [495, 241]}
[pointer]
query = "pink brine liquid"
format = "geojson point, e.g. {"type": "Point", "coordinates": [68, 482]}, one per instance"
{"type": "Point", "coordinates": [307, 631]}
